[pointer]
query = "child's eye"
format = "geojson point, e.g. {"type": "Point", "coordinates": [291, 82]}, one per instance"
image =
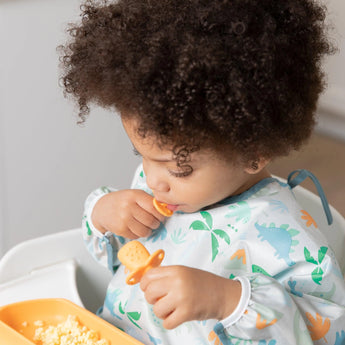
{"type": "Point", "coordinates": [179, 173]}
{"type": "Point", "coordinates": [136, 152]}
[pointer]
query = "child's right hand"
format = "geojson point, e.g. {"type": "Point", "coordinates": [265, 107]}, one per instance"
{"type": "Point", "coordinates": [129, 213]}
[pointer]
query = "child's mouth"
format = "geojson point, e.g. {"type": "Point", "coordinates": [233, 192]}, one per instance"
{"type": "Point", "coordinates": [172, 207]}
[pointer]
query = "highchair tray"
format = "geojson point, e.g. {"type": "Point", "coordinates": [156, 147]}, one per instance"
{"type": "Point", "coordinates": [18, 321]}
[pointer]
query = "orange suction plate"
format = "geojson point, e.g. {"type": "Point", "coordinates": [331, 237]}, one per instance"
{"type": "Point", "coordinates": [17, 320]}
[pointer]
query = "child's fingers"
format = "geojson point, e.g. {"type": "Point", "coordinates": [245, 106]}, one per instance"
{"type": "Point", "coordinates": [153, 274]}
{"type": "Point", "coordinates": [163, 308]}
{"type": "Point", "coordinates": [138, 229]}
{"type": "Point", "coordinates": [175, 318]}
{"type": "Point", "coordinates": [155, 290]}
{"type": "Point", "coordinates": [157, 294]}
{"type": "Point", "coordinates": [167, 295]}
{"type": "Point", "coordinates": [145, 218]}
{"type": "Point", "coordinates": [146, 202]}
{"type": "Point", "coordinates": [169, 311]}
{"type": "Point", "coordinates": [129, 234]}
{"type": "Point", "coordinates": [172, 314]}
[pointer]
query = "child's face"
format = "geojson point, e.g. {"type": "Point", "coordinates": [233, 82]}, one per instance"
{"type": "Point", "coordinates": [211, 180]}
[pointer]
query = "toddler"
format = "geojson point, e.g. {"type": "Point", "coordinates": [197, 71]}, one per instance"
{"type": "Point", "coordinates": [209, 92]}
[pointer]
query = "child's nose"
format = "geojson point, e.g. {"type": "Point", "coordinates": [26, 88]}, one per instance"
{"type": "Point", "coordinates": [156, 182]}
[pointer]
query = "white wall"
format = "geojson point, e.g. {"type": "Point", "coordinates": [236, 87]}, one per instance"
{"type": "Point", "coordinates": [48, 164]}
{"type": "Point", "coordinates": [332, 103]}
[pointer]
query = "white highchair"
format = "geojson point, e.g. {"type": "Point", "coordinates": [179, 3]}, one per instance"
{"type": "Point", "coordinates": [53, 266]}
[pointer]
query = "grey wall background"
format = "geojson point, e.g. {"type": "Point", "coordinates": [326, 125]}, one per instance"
{"type": "Point", "coordinates": [332, 103]}
{"type": "Point", "coordinates": [49, 164]}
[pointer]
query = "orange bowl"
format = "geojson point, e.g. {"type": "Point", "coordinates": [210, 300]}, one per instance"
{"type": "Point", "coordinates": [17, 321]}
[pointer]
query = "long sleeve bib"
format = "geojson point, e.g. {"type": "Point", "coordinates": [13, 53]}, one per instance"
{"type": "Point", "coordinates": [293, 290]}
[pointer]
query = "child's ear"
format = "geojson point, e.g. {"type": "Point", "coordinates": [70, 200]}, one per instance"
{"type": "Point", "coordinates": [256, 166]}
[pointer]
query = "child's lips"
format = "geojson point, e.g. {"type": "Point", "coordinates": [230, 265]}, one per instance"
{"type": "Point", "coordinates": [172, 207]}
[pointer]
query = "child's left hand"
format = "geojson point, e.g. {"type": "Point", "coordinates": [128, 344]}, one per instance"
{"type": "Point", "coordinates": [180, 294]}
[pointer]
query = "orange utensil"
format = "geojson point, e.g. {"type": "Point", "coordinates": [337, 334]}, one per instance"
{"type": "Point", "coordinates": [135, 257]}
{"type": "Point", "coordinates": [162, 208]}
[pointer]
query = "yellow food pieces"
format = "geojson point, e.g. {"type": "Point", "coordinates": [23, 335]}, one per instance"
{"type": "Point", "coordinates": [69, 332]}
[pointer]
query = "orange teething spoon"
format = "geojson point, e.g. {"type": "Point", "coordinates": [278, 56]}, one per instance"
{"type": "Point", "coordinates": [134, 256]}
{"type": "Point", "coordinates": [162, 208]}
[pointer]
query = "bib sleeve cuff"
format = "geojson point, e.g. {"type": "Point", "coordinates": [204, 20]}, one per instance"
{"type": "Point", "coordinates": [242, 304]}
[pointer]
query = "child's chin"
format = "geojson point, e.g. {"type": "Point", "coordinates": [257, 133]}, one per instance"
{"type": "Point", "coordinates": [189, 209]}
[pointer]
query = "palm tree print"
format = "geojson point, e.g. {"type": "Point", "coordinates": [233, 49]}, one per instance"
{"type": "Point", "coordinates": [133, 316]}
{"type": "Point", "coordinates": [207, 225]}
{"type": "Point", "coordinates": [317, 273]}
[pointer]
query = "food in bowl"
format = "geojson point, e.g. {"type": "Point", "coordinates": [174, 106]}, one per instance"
{"type": "Point", "coordinates": [69, 332]}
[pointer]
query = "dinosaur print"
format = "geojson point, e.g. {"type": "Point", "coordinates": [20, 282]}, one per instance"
{"type": "Point", "coordinates": [292, 284]}
{"type": "Point", "coordinates": [264, 342]}
{"type": "Point", "coordinates": [241, 211]}
{"type": "Point", "coordinates": [279, 206]}
{"type": "Point", "coordinates": [263, 323]}
{"type": "Point", "coordinates": [159, 234]}
{"type": "Point", "coordinates": [241, 255]}
{"type": "Point", "coordinates": [214, 337]}
{"type": "Point", "coordinates": [279, 238]}
{"type": "Point", "coordinates": [301, 333]}
{"type": "Point", "coordinates": [340, 338]}
{"type": "Point", "coordinates": [318, 327]}
{"type": "Point", "coordinates": [258, 269]}
{"type": "Point", "coordinates": [262, 237]}
{"type": "Point", "coordinates": [308, 218]}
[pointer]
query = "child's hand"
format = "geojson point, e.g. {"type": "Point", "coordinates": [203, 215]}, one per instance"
{"type": "Point", "coordinates": [181, 294]}
{"type": "Point", "coordinates": [129, 213]}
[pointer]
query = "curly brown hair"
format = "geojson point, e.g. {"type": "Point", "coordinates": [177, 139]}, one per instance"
{"type": "Point", "coordinates": [236, 75]}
